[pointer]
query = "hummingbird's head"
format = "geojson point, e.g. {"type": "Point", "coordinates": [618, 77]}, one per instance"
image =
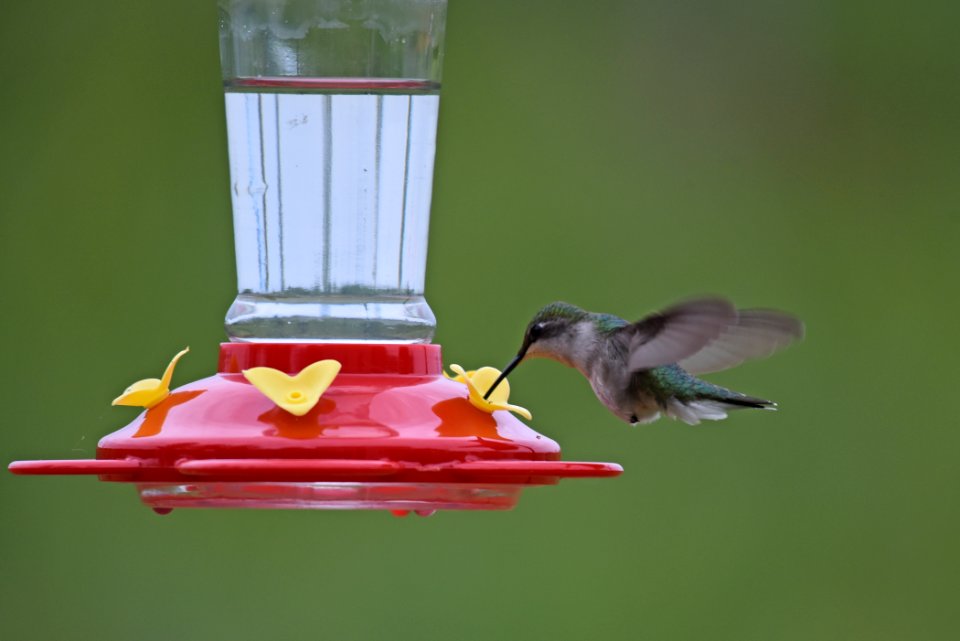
{"type": "Point", "coordinates": [549, 332]}
{"type": "Point", "coordinates": [547, 335]}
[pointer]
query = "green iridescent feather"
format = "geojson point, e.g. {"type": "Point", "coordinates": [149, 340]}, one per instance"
{"type": "Point", "coordinates": [672, 380]}
{"type": "Point", "coordinates": [608, 323]}
{"type": "Point", "coordinates": [555, 311]}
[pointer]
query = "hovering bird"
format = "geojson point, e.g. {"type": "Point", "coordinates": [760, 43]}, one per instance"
{"type": "Point", "coordinates": [644, 369]}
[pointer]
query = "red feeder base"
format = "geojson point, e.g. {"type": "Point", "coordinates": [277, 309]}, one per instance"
{"type": "Point", "coordinates": [391, 432]}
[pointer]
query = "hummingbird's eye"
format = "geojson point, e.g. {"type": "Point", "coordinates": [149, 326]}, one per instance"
{"type": "Point", "coordinates": [536, 331]}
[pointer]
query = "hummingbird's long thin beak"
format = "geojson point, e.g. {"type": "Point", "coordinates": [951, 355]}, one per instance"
{"type": "Point", "coordinates": [509, 368]}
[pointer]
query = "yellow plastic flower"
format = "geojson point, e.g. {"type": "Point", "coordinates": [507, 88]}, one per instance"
{"type": "Point", "coordinates": [479, 381]}
{"type": "Point", "coordinates": [461, 378]}
{"type": "Point", "coordinates": [295, 394]}
{"type": "Point", "coordinates": [149, 391]}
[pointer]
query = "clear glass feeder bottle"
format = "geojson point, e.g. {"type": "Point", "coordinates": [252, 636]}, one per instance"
{"type": "Point", "coordinates": [331, 117]}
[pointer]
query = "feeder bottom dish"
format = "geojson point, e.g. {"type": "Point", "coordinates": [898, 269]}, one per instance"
{"type": "Point", "coordinates": [416, 497]}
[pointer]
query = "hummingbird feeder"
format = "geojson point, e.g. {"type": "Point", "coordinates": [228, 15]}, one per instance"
{"type": "Point", "coordinates": [329, 394]}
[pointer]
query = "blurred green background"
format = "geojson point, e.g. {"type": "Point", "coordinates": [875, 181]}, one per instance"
{"type": "Point", "coordinates": [616, 154]}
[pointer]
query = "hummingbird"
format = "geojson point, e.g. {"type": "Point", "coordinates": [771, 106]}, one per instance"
{"type": "Point", "coordinates": [649, 368]}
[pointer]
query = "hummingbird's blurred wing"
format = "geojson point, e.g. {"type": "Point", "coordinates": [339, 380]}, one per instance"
{"type": "Point", "coordinates": [756, 334]}
{"type": "Point", "coordinates": [677, 332]}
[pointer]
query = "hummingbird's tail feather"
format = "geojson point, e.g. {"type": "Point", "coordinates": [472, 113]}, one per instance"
{"type": "Point", "coordinates": [740, 401]}
{"type": "Point", "coordinates": [713, 405]}
{"type": "Point", "coordinates": [690, 399]}
{"type": "Point", "coordinates": [712, 409]}
{"type": "Point", "coordinates": [693, 412]}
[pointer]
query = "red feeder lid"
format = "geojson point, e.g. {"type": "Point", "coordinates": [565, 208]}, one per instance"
{"type": "Point", "coordinates": [391, 432]}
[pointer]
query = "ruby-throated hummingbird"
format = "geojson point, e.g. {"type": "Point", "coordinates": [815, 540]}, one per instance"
{"type": "Point", "coordinates": [644, 369]}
